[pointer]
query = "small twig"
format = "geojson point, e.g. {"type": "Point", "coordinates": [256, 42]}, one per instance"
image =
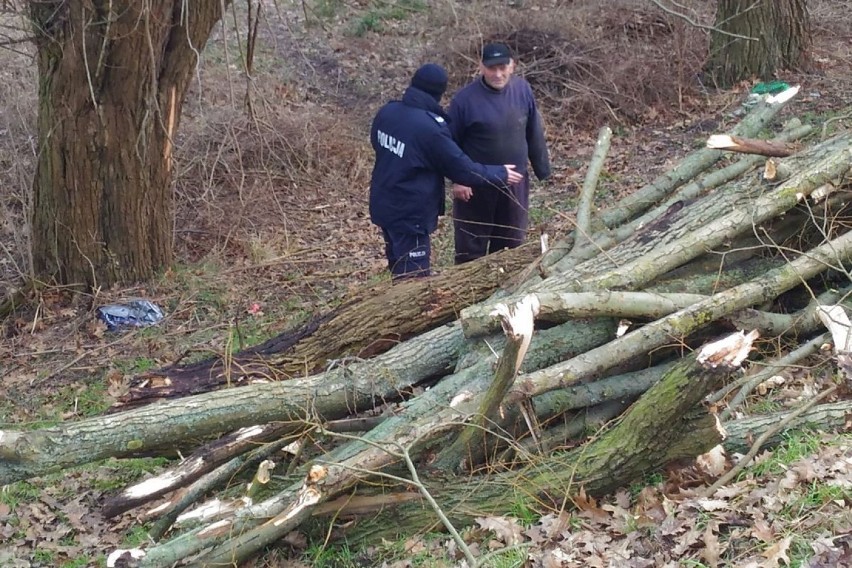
{"type": "Point", "coordinates": [471, 560]}
{"type": "Point", "coordinates": [699, 25]}
{"type": "Point", "coordinates": [833, 119]}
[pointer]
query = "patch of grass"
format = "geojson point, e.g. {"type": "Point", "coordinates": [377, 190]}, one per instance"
{"type": "Point", "coordinates": [84, 562]}
{"type": "Point", "coordinates": [521, 511]}
{"type": "Point", "coordinates": [765, 406]}
{"type": "Point", "coordinates": [814, 500]}
{"type": "Point", "coordinates": [511, 558]}
{"type": "Point", "coordinates": [326, 9]}
{"type": "Point", "coordinates": [320, 556]}
{"type": "Point", "coordinates": [372, 19]}
{"type": "Point", "coordinates": [650, 480]}
{"type": "Point", "coordinates": [248, 333]}
{"type": "Point", "coordinates": [199, 288]}
{"type": "Point", "coordinates": [138, 365]}
{"type": "Point", "coordinates": [44, 556]}
{"type": "Point", "coordinates": [693, 564]}
{"type": "Point", "coordinates": [17, 493]}
{"type": "Point", "coordinates": [369, 22]}
{"type": "Point", "coordinates": [137, 536]}
{"type": "Point", "coordinates": [800, 550]}
{"type": "Point", "coordinates": [83, 400]}
{"type": "Point", "coordinates": [796, 445]}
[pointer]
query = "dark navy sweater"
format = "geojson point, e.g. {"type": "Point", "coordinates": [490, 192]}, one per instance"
{"type": "Point", "coordinates": [500, 127]}
{"type": "Point", "coordinates": [414, 153]}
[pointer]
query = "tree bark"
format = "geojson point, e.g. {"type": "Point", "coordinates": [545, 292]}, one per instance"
{"type": "Point", "coordinates": [756, 38]}
{"type": "Point", "coordinates": [338, 393]}
{"type": "Point", "coordinates": [366, 325]}
{"type": "Point", "coordinates": [749, 146]}
{"type": "Point", "coordinates": [639, 443]}
{"type": "Point", "coordinates": [112, 79]}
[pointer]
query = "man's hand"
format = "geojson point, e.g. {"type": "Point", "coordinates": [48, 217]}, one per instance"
{"type": "Point", "coordinates": [514, 176]}
{"type": "Point", "coordinates": [462, 192]}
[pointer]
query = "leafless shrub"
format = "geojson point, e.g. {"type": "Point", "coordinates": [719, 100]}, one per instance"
{"type": "Point", "coordinates": [17, 151]}
{"type": "Point", "coordinates": [241, 173]}
{"type": "Point", "coordinates": [591, 63]}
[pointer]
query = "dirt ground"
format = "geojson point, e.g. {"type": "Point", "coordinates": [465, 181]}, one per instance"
{"type": "Point", "coordinates": [272, 226]}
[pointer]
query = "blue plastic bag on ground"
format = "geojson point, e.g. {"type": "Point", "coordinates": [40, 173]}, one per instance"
{"type": "Point", "coordinates": [134, 313]}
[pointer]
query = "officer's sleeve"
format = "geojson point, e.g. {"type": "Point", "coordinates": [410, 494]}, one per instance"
{"type": "Point", "coordinates": [536, 142]}
{"type": "Point", "coordinates": [445, 156]}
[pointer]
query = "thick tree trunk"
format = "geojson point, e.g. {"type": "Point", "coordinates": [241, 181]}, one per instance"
{"type": "Point", "coordinates": [365, 326]}
{"type": "Point", "coordinates": [340, 392]}
{"type": "Point", "coordinates": [756, 38]}
{"type": "Point", "coordinates": [112, 78]}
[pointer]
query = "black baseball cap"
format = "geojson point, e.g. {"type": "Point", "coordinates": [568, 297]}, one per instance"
{"type": "Point", "coordinates": [496, 54]}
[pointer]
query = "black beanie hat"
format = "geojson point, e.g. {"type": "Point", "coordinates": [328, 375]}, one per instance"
{"type": "Point", "coordinates": [432, 79]}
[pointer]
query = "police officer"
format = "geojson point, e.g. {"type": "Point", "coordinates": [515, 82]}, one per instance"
{"type": "Point", "coordinates": [414, 153]}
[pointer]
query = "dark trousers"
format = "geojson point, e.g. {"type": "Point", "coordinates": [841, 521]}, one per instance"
{"type": "Point", "coordinates": [493, 219]}
{"type": "Point", "coordinates": [408, 254]}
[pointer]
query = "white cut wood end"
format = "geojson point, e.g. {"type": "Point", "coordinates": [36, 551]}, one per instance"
{"type": "Point", "coordinates": [292, 448]}
{"type": "Point", "coordinates": [784, 96]}
{"type": "Point", "coordinates": [121, 553]}
{"type": "Point", "coordinates": [720, 142]}
{"type": "Point", "coordinates": [834, 318]}
{"type": "Point", "coordinates": [770, 170]}
{"type": "Point", "coordinates": [162, 481]}
{"type": "Point", "coordinates": [263, 471]}
{"type": "Point", "coordinates": [460, 398]}
{"type": "Point", "coordinates": [822, 192]}
{"type": "Point", "coordinates": [729, 351]}
{"type": "Point", "coordinates": [308, 496]}
{"type": "Point", "coordinates": [248, 432]}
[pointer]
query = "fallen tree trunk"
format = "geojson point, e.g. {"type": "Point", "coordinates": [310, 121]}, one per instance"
{"type": "Point", "coordinates": [639, 443]}
{"type": "Point", "coordinates": [342, 391]}
{"type": "Point", "coordinates": [366, 325]}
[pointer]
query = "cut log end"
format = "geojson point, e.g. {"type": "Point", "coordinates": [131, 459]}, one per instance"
{"type": "Point", "coordinates": [784, 96]}
{"type": "Point", "coordinates": [748, 145]}
{"type": "Point", "coordinates": [728, 352]}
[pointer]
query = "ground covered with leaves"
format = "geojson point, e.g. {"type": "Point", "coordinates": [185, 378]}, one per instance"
{"type": "Point", "coordinates": [272, 227]}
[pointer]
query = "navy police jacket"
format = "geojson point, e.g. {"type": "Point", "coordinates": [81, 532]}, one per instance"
{"type": "Point", "coordinates": [414, 153]}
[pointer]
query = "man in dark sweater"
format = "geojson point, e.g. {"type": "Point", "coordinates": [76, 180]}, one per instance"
{"type": "Point", "coordinates": [414, 153]}
{"type": "Point", "coordinates": [494, 119]}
